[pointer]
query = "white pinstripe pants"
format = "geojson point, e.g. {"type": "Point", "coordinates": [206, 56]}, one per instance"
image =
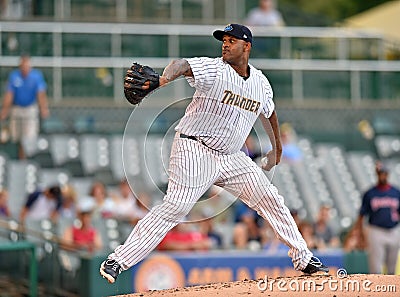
{"type": "Point", "coordinates": [193, 169]}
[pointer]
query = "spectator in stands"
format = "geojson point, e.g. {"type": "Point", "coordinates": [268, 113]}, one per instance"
{"type": "Point", "coordinates": [247, 229]}
{"type": "Point", "coordinates": [182, 238]}
{"type": "Point", "coordinates": [251, 149]}
{"type": "Point", "coordinates": [265, 15]}
{"type": "Point", "coordinates": [101, 204]}
{"type": "Point", "coordinates": [207, 228]}
{"type": "Point", "coordinates": [323, 232]}
{"type": "Point", "coordinates": [307, 231]}
{"type": "Point", "coordinates": [127, 206]}
{"type": "Point", "coordinates": [25, 96]}
{"type": "Point", "coordinates": [4, 209]}
{"type": "Point", "coordinates": [295, 215]}
{"type": "Point", "coordinates": [68, 208]}
{"type": "Point", "coordinates": [291, 153]}
{"type": "Point", "coordinates": [83, 236]}
{"type": "Point", "coordinates": [381, 204]}
{"type": "Point", "coordinates": [354, 240]}
{"type": "Point", "coordinates": [216, 203]}
{"type": "Point", "coordinates": [272, 245]}
{"type": "Point", "coordinates": [42, 204]}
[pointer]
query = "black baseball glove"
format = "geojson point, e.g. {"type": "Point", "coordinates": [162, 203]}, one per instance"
{"type": "Point", "coordinates": [135, 78]}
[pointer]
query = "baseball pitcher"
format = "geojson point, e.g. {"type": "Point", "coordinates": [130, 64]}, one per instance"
{"type": "Point", "coordinates": [230, 95]}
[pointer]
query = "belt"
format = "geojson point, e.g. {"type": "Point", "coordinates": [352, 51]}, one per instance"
{"type": "Point", "coordinates": [189, 137]}
{"type": "Point", "coordinates": [198, 139]}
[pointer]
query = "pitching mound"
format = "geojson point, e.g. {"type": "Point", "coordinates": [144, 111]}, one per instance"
{"type": "Point", "coordinates": [334, 286]}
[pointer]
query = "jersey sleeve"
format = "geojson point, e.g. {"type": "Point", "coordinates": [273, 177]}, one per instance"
{"type": "Point", "coordinates": [32, 199]}
{"type": "Point", "coordinates": [41, 83]}
{"type": "Point", "coordinates": [365, 205]}
{"type": "Point", "coordinates": [204, 73]}
{"type": "Point", "coordinates": [269, 105]}
{"type": "Point", "coordinates": [59, 201]}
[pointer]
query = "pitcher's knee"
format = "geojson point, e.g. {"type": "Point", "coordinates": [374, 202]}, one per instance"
{"type": "Point", "coordinates": [173, 210]}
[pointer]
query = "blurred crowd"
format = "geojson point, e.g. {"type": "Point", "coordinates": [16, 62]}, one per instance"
{"type": "Point", "coordinates": [61, 203]}
{"type": "Point", "coordinates": [218, 220]}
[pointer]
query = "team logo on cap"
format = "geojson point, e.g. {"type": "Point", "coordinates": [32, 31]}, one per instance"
{"type": "Point", "coordinates": [228, 28]}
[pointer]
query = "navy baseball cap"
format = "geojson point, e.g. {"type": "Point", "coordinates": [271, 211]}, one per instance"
{"type": "Point", "coordinates": [236, 30]}
{"type": "Point", "coordinates": [381, 168]}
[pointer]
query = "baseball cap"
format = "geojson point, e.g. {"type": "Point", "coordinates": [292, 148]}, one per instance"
{"type": "Point", "coordinates": [381, 168]}
{"type": "Point", "coordinates": [236, 30]}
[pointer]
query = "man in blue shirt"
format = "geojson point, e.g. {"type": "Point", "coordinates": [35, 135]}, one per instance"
{"type": "Point", "coordinates": [381, 204]}
{"type": "Point", "coordinates": [26, 91]}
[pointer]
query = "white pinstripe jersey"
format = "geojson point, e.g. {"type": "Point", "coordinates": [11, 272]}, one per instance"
{"type": "Point", "coordinates": [225, 106]}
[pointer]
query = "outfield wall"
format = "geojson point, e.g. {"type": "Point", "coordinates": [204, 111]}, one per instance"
{"type": "Point", "coordinates": [169, 270]}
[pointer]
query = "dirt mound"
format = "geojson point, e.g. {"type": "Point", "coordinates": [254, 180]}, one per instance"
{"type": "Point", "coordinates": [320, 285]}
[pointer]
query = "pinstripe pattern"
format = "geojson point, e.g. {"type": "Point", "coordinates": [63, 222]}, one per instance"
{"type": "Point", "coordinates": [224, 126]}
{"type": "Point", "coordinates": [243, 178]}
{"type": "Point", "coordinates": [193, 169]}
{"type": "Point", "coordinates": [222, 113]}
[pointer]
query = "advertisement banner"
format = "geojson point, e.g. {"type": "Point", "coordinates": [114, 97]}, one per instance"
{"type": "Point", "coordinates": [169, 270]}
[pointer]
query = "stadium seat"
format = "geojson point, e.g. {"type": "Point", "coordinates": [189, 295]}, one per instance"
{"type": "Point", "coordinates": [126, 156]}
{"type": "Point", "coordinates": [22, 179]}
{"type": "Point", "coordinates": [40, 232]}
{"type": "Point", "coordinates": [82, 185]}
{"type": "Point", "coordinates": [306, 189]}
{"type": "Point", "coordinates": [313, 172]}
{"type": "Point", "coordinates": [84, 124]}
{"type": "Point", "coordinates": [361, 165]}
{"type": "Point", "coordinates": [69, 261]}
{"type": "Point", "coordinates": [38, 150]}
{"type": "Point", "coordinates": [156, 159]}
{"type": "Point", "coordinates": [53, 124]}
{"type": "Point", "coordinates": [117, 167]}
{"type": "Point", "coordinates": [65, 151]}
{"type": "Point", "coordinates": [55, 176]}
{"type": "Point", "coordinates": [283, 179]}
{"type": "Point", "coordinates": [10, 231]}
{"type": "Point", "coordinates": [387, 146]}
{"type": "Point", "coordinates": [340, 182]}
{"type": "Point", "coordinates": [3, 170]}
{"type": "Point", "coordinates": [95, 157]}
{"type": "Point", "coordinates": [109, 232]}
